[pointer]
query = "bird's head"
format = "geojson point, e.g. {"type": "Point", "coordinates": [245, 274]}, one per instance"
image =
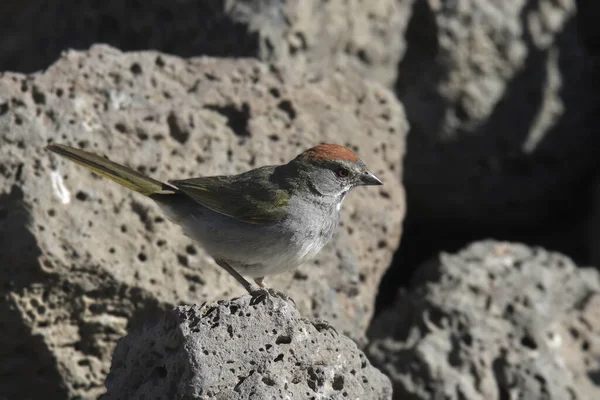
{"type": "Point", "coordinates": [333, 170]}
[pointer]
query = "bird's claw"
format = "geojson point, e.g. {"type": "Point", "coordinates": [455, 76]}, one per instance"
{"type": "Point", "coordinates": [259, 295]}
{"type": "Point", "coordinates": [321, 324]}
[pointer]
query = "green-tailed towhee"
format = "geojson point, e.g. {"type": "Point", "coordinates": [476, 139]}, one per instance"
{"type": "Point", "coordinates": [257, 223]}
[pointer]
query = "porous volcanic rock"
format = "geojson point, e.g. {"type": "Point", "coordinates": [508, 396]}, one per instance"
{"type": "Point", "coordinates": [495, 321]}
{"type": "Point", "coordinates": [503, 104]}
{"type": "Point", "coordinates": [241, 349]}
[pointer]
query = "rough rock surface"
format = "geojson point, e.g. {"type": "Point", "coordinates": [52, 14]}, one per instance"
{"type": "Point", "coordinates": [502, 103]}
{"type": "Point", "coordinates": [315, 36]}
{"type": "Point", "coordinates": [495, 321]}
{"type": "Point", "coordinates": [240, 350]}
{"type": "Point", "coordinates": [83, 260]}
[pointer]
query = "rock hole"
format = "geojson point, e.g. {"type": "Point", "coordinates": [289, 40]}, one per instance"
{"type": "Point", "coordinates": [182, 260]}
{"type": "Point", "coordinates": [38, 96]}
{"type": "Point", "coordinates": [314, 381]}
{"type": "Point", "coordinates": [283, 339]}
{"type": "Point", "coordinates": [135, 69]}
{"type": "Point", "coordinates": [287, 107]}
{"type": "Point", "coordinates": [81, 195]}
{"type": "Point", "coordinates": [121, 127]}
{"type": "Point", "coordinates": [278, 358]}
{"type": "Point", "coordinates": [528, 342]}
{"type": "Point", "coordinates": [268, 381]}
{"type": "Point", "coordinates": [177, 130]}
{"type": "Point", "coordinates": [585, 345]}
{"type": "Point", "coordinates": [141, 134]}
{"type": "Point", "coordinates": [574, 333]}
{"type": "Point", "coordinates": [540, 287]}
{"type": "Point", "coordinates": [300, 276]}
{"type": "Point", "coordinates": [191, 250]}
{"type": "Point", "coordinates": [384, 194]}
{"type": "Point", "coordinates": [363, 56]}
{"type": "Point", "coordinates": [142, 257]}
{"type": "Point", "coordinates": [338, 382]}
{"type": "Point", "coordinates": [237, 119]}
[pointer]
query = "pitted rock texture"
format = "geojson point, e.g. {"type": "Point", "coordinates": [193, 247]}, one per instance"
{"type": "Point", "coordinates": [502, 100]}
{"type": "Point", "coordinates": [83, 259]}
{"type": "Point", "coordinates": [494, 321]}
{"type": "Point", "coordinates": [315, 36]}
{"type": "Point", "coordinates": [241, 349]}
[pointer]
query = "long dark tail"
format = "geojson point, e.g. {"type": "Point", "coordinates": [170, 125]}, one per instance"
{"type": "Point", "coordinates": [119, 173]}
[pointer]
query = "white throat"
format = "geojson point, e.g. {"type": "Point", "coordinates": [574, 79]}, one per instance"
{"type": "Point", "coordinates": [342, 196]}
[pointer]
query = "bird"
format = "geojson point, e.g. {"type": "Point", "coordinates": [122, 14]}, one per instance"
{"type": "Point", "coordinates": [258, 223]}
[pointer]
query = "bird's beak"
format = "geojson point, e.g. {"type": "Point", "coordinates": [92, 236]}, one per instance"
{"type": "Point", "coordinates": [369, 178]}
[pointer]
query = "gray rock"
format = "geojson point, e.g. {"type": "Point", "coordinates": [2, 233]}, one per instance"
{"type": "Point", "coordinates": [314, 36]}
{"type": "Point", "coordinates": [494, 321]}
{"type": "Point", "coordinates": [240, 350]}
{"type": "Point", "coordinates": [503, 105]}
{"type": "Point", "coordinates": [85, 260]}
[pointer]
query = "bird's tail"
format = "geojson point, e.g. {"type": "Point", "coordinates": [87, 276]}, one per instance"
{"type": "Point", "coordinates": [119, 173]}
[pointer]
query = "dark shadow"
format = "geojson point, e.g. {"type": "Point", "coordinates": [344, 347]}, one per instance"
{"type": "Point", "coordinates": [516, 200]}
{"type": "Point", "coordinates": [28, 369]}
{"type": "Point", "coordinates": [587, 23]}
{"type": "Point", "coordinates": [33, 33]}
{"type": "Point", "coordinates": [594, 376]}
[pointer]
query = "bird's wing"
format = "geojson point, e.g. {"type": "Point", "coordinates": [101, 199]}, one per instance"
{"type": "Point", "coordinates": [248, 198]}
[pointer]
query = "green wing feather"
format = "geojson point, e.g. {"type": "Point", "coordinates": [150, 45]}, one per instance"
{"type": "Point", "coordinates": [249, 197]}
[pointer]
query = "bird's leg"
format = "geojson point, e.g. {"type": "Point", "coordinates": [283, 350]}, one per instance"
{"type": "Point", "coordinates": [247, 285]}
{"type": "Point", "coordinates": [259, 293]}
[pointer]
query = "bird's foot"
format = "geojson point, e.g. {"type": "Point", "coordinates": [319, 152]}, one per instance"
{"type": "Point", "coordinates": [321, 324]}
{"type": "Point", "coordinates": [259, 295]}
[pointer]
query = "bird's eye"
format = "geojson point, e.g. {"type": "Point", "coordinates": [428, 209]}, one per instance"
{"type": "Point", "coordinates": [342, 172]}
